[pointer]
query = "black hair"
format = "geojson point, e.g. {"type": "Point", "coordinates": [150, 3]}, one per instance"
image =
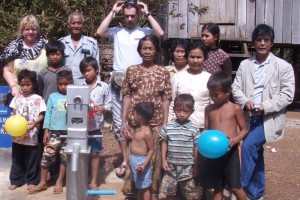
{"type": "Point", "coordinates": [184, 43]}
{"type": "Point", "coordinates": [145, 110]}
{"type": "Point", "coordinates": [152, 38]}
{"type": "Point", "coordinates": [30, 75]}
{"type": "Point", "coordinates": [263, 30]}
{"type": "Point", "coordinates": [220, 80]}
{"type": "Point", "coordinates": [184, 99]}
{"type": "Point", "coordinates": [54, 46]}
{"type": "Point", "coordinates": [131, 4]}
{"type": "Point", "coordinates": [88, 61]}
{"type": "Point", "coordinates": [199, 45]}
{"type": "Point", "coordinates": [64, 74]}
{"type": "Point", "coordinates": [214, 30]}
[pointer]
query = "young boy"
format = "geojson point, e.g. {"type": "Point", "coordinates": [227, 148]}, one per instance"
{"type": "Point", "coordinates": [178, 148]}
{"type": "Point", "coordinates": [47, 77]}
{"type": "Point", "coordinates": [226, 117]}
{"type": "Point", "coordinates": [101, 98]}
{"type": "Point", "coordinates": [55, 126]}
{"type": "Point", "coordinates": [141, 149]}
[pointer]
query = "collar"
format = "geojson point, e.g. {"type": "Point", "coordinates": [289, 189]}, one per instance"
{"type": "Point", "coordinates": [69, 39]}
{"type": "Point", "coordinates": [267, 61]}
{"type": "Point", "coordinates": [188, 124]}
{"type": "Point", "coordinates": [98, 83]}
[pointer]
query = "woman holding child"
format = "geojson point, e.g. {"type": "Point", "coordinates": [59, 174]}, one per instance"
{"type": "Point", "coordinates": [147, 82]}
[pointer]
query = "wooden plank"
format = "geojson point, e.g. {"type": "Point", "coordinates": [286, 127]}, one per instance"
{"type": "Point", "coordinates": [226, 31]}
{"type": "Point", "coordinates": [172, 19]}
{"type": "Point", "coordinates": [250, 18]}
{"type": "Point", "coordinates": [193, 21]}
{"type": "Point", "coordinates": [241, 19]}
{"type": "Point", "coordinates": [269, 12]}
{"type": "Point", "coordinates": [278, 16]}
{"type": "Point", "coordinates": [182, 20]}
{"type": "Point", "coordinates": [296, 22]}
{"type": "Point", "coordinates": [260, 12]}
{"type": "Point", "coordinates": [287, 21]}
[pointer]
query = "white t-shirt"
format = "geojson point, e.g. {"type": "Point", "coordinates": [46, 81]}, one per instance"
{"type": "Point", "coordinates": [187, 83]}
{"type": "Point", "coordinates": [125, 46]}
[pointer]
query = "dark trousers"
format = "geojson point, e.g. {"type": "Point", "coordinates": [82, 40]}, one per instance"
{"type": "Point", "coordinates": [24, 166]}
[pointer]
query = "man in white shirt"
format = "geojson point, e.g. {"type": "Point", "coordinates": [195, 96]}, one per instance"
{"type": "Point", "coordinates": [125, 40]}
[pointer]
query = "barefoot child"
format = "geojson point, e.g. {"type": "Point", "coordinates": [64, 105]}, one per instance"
{"type": "Point", "coordinates": [25, 148]}
{"type": "Point", "coordinates": [141, 149]}
{"type": "Point", "coordinates": [55, 126]}
{"type": "Point", "coordinates": [101, 98]}
{"type": "Point", "coordinates": [226, 117]}
{"type": "Point", "coordinates": [178, 150]}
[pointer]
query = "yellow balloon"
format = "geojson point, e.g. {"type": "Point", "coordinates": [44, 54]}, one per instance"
{"type": "Point", "coordinates": [16, 125]}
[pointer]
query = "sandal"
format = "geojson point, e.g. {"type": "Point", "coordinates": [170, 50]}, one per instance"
{"type": "Point", "coordinates": [121, 168]}
{"type": "Point", "coordinates": [58, 190]}
{"type": "Point", "coordinates": [37, 189]}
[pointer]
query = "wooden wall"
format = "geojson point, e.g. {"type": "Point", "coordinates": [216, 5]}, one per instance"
{"type": "Point", "coordinates": [236, 18]}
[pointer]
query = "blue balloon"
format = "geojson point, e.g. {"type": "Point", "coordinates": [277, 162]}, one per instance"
{"type": "Point", "coordinates": [213, 144]}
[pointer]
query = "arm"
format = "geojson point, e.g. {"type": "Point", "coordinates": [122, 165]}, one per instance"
{"type": "Point", "coordinates": [150, 146]}
{"type": "Point", "coordinates": [165, 107]}
{"type": "Point", "coordinates": [41, 85]}
{"type": "Point", "coordinates": [46, 136]}
{"type": "Point", "coordinates": [206, 118]}
{"type": "Point", "coordinates": [242, 127]}
{"type": "Point", "coordinates": [102, 30]}
{"type": "Point", "coordinates": [126, 104]}
{"type": "Point", "coordinates": [164, 150]}
{"type": "Point", "coordinates": [34, 123]}
{"type": "Point", "coordinates": [154, 24]}
{"type": "Point", "coordinates": [9, 77]}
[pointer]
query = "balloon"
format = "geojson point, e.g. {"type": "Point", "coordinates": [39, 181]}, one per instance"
{"type": "Point", "coordinates": [16, 125]}
{"type": "Point", "coordinates": [213, 144]}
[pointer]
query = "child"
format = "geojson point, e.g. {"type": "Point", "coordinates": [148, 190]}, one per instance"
{"type": "Point", "coordinates": [141, 149]}
{"type": "Point", "coordinates": [178, 149]}
{"type": "Point", "coordinates": [25, 148]}
{"type": "Point", "coordinates": [193, 81]}
{"type": "Point", "coordinates": [226, 117]}
{"type": "Point", "coordinates": [54, 127]}
{"type": "Point", "coordinates": [101, 98]}
{"type": "Point", "coordinates": [217, 60]}
{"type": "Point", "coordinates": [47, 77]}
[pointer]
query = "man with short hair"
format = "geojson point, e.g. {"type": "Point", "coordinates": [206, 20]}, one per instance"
{"type": "Point", "coordinates": [78, 46]}
{"type": "Point", "coordinates": [125, 40]}
{"type": "Point", "coordinates": [264, 86]}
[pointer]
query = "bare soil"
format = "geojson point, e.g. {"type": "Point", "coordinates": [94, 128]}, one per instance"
{"type": "Point", "coordinates": [282, 166]}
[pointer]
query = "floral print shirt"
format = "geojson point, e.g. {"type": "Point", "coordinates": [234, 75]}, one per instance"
{"type": "Point", "coordinates": [144, 86]}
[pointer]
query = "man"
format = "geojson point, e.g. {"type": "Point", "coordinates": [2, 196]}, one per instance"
{"type": "Point", "coordinates": [125, 41]}
{"type": "Point", "coordinates": [264, 86]}
{"type": "Point", "coordinates": [78, 46]}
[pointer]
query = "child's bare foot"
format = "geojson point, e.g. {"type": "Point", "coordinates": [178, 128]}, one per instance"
{"type": "Point", "coordinates": [94, 186]}
{"type": "Point", "coordinates": [12, 187]}
{"type": "Point", "coordinates": [39, 188]}
{"type": "Point", "coordinates": [30, 186]}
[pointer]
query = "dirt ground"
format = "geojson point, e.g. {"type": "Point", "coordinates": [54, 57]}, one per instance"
{"type": "Point", "coordinates": [282, 160]}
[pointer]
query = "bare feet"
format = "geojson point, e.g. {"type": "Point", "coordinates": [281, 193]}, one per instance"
{"type": "Point", "coordinates": [121, 170]}
{"type": "Point", "coordinates": [12, 187]}
{"type": "Point", "coordinates": [39, 188]}
{"type": "Point", "coordinates": [94, 186]}
{"type": "Point", "coordinates": [30, 186]}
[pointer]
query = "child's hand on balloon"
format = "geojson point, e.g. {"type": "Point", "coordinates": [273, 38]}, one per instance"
{"type": "Point", "coordinates": [31, 125]}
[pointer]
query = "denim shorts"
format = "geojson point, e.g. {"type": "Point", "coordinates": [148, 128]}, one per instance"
{"type": "Point", "coordinates": [95, 143]}
{"type": "Point", "coordinates": [141, 180]}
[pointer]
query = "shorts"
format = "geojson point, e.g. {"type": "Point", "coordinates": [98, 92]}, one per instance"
{"type": "Point", "coordinates": [95, 143]}
{"type": "Point", "coordinates": [54, 146]}
{"type": "Point", "coordinates": [224, 171]}
{"type": "Point", "coordinates": [144, 179]}
{"type": "Point", "coordinates": [178, 175]}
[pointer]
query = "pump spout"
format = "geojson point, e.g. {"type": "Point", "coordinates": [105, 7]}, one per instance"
{"type": "Point", "coordinates": [75, 156]}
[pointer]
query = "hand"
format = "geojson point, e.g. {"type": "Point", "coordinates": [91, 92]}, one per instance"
{"type": "Point", "coordinates": [118, 6]}
{"type": "Point", "coordinates": [233, 141]}
{"type": "Point", "coordinates": [46, 137]}
{"type": "Point", "coordinates": [15, 91]}
{"type": "Point", "coordinates": [165, 165]}
{"type": "Point", "coordinates": [140, 169]}
{"type": "Point", "coordinates": [123, 130]}
{"type": "Point", "coordinates": [143, 7]}
{"type": "Point", "coordinates": [31, 125]}
{"type": "Point", "coordinates": [99, 110]}
{"type": "Point", "coordinates": [249, 105]}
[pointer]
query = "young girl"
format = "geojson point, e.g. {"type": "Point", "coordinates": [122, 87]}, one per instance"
{"type": "Point", "coordinates": [193, 81]}
{"type": "Point", "coordinates": [217, 60]}
{"type": "Point", "coordinates": [25, 166]}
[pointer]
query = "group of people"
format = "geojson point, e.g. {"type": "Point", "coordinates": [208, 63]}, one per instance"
{"type": "Point", "coordinates": [158, 112]}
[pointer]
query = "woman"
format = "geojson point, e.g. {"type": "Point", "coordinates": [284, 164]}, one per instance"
{"type": "Point", "coordinates": [178, 53]}
{"type": "Point", "coordinates": [147, 82]}
{"type": "Point", "coordinates": [218, 60]}
{"type": "Point", "coordinates": [24, 52]}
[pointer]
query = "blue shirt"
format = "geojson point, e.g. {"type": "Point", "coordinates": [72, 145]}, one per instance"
{"type": "Point", "coordinates": [56, 113]}
{"type": "Point", "coordinates": [87, 46]}
{"type": "Point", "coordinates": [181, 140]}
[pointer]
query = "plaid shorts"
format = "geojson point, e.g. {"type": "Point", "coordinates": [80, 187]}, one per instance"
{"type": "Point", "coordinates": [178, 175]}
{"type": "Point", "coordinates": [54, 145]}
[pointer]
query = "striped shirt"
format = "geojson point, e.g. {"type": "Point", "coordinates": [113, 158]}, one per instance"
{"type": "Point", "coordinates": [181, 140]}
